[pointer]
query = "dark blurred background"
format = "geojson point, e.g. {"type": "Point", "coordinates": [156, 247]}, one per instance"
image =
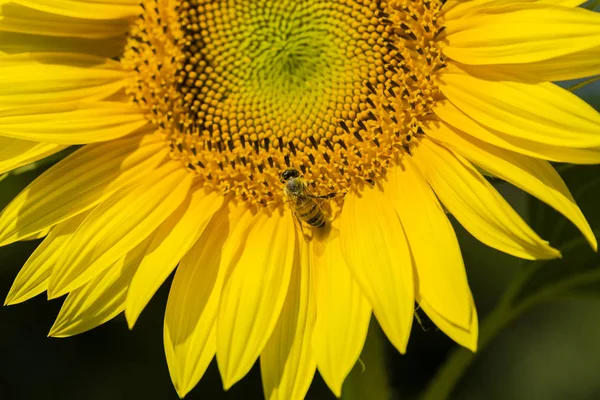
{"type": "Point", "coordinates": [549, 351]}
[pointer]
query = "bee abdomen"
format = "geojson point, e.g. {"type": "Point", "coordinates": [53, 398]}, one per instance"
{"type": "Point", "coordinates": [317, 221]}
{"type": "Point", "coordinates": [312, 214]}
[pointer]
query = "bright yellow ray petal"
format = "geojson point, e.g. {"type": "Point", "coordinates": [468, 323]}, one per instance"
{"type": "Point", "coordinates": [540, 112]}
{"type": "Point", "coordinates": [536, 177]}
{"type": "Point", "coordinates": [15, 153]}
{"type": "Point", "coordinates": [455, 9]}
{"type": "Point", "coordinates": [465, 336]}
{"type": "Point", "coordinates": [374, 245]}
{"type": "Point", "coordinates": [189, 328]}
{"type": "Point", "coordinates": [254, 294]}
{"type": "Point", "coordinates": [71, 123]}
{"type": "Point", "coordinates": [34, 275]}
{"type": "Point", "coordinates": [95, 10]}
{"type": "Point", "coordinates": [477, 205]}
{"type": "Point", "coordinates": [117, 225]}
{"type": "Point", "coordinates": [17, 18]}
{"type": "Point", "coordinates": [287, 364]}
{"type": "Point", "coordinates": [12, 43]}
{"type": "Point", "coordinates": [79, 182]}
{"type": "Point", "coordinates": [531, 32]}
{"type": "Point", "coordinates": [441, 278]}
{"type": "Point", "coordinates": [101, 299]}
{"type": "Point", "coordinates": [343, 315]}
{"type": "Point", "coordinates": [38, 235]}
{"type": "Point", "coordinates": [173, 239]}
{"type": "Point", "coordinates": [570, 66]}
{"type": "Point", "coordinates": [451, 115]}
{"type": "Point", "coordinates": [44, 78]}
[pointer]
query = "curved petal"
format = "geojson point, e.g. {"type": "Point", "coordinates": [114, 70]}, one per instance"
{"type": "Point", "coordinates": [95, 10]}
{"type": "Point", "coordinates": [343, 315]}
{"type": "Point", "coordinates": [465, 336]}
{"type": "Point", "coordinates": [540, 112]}
{"type": "Point", "coordinates": [79, 182]}
{"type": "Point", "coordinates": [44, 78]}
{"type": "Point", "coordinates": [118, 225]}
{"type": "Point", "coordinates": [190, 330]}
{"type": "Point", "coordinates": [15, 17]}
{"type": "Point", "coordinates": [536, 177]}
{"type": "Point", "coordinates": [570, 66]}
{"type": "Point", "coordinates": [72, 123]}
{"type": "Point", "coordinates": [477, 205]}
{"type": "Point", "coordinates": [171, 242]}
{"type": "Point", "coordinates": [287, 364]}
{"type": "Point", "coordinates": [254, 294]}
{"type": "Point", "coordinates": [101, 299]}
{"type": "Point", "coordinates": [12, 43]}
{"type": "Point", "coordinates": [517, 33]}
{"type": "Point", "coordinates": [374, 245]}
{"type": "Point", "coordinates": [451, 115]}
{"type": "Point", "coordinates": [15, 153]}
{"type": "Point", "coordinates": [455, 9]}
{"type": "Point", "coordinates": [441, 278]}
{"type": "Point", "coordinates": [34, 275]}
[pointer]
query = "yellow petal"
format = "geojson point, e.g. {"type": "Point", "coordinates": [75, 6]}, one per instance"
{"type": "Point", "coordinates": [38, 235]}
{"type": "Point", "coordinates": [190, 328]}
{"type": "Point", "coordinates": [451, 115]}
{"type": "Point", "coordinates": [536, 177]}
{"type": "Point", "coordinates": [570, 66]}
{"type": "Point", "coordinates": [455, 9]}
{"type": "Point", "coordinates": [11, 43]}
{"type": "Point", "coordinates": [540, 112]}
{"type": "Point", "coordinates": [79, 182]}
{"type": "Point", "coordinates": [71, 123]}
{"type": "Point", "coordinates": [15, 153]}
{"type": "Point", "coordinates": [343, 315]}
{"type": "Point", "coordinates": [99, 300]}
{"type": "Point", "coordinates": [477, 205]}
{"type": "Point", "coordinates": [374, 245]}
{"type": "Point", "coordinates": [17, 18]}
{"type": "Point", "coordinates": [287, 364]}
{"type": "Point", "coordinates": [34, 275]}
{"type": "Point", "coordinates": [118, 225]}
{"type": "Point", "coordinates": [95, 10]}
{"type": "Point", "coordinates": [441, 279]}
{"type": "Point", "coordinates": [517, 33]}
{"type": "Point", "coordinates": [253, 295]}
{"type": "Point", "coordinates": [44, 78]}
{"type": "Point", "coordinates": [465, 336]}
{"type": "Point", "coordinates": [171, 242]}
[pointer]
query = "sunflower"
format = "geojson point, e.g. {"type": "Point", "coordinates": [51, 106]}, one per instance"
{"type": "Point", "coordinates": [189, 111]}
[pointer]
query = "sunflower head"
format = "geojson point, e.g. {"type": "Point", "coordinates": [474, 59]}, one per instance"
{"type": "Point", "coordinates": [215, 132]}
{"type": "Point", "coordinates": [337, 90]}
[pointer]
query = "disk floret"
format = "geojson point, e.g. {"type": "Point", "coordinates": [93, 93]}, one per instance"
{"type": "Point", "coordinates": [242, 90]}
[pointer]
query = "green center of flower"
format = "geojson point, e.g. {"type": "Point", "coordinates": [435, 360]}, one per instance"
{"type": "Point", "coordinates": [243, 89]}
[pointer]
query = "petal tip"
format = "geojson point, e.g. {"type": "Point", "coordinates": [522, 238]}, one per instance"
{"type": "Point", "coordinates": [10, 299]}
{"type": "Point", "coordinates": [131, 318]}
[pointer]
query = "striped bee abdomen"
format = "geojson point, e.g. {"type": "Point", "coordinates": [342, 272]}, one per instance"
{"type": "Point", "coordinates": [309, 211]}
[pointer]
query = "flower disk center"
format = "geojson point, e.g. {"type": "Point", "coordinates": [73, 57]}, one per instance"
{"type": "Point", "coordinates": [243, 89]}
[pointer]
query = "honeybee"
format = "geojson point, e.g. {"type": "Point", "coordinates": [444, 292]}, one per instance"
{"type": "Point", "coordinates": [305, 205]}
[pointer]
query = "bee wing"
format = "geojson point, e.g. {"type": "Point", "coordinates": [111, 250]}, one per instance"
{"type": "Point", "coordinates": [293, 202]}
{"type": "Point", "coordinates": [316, 199]}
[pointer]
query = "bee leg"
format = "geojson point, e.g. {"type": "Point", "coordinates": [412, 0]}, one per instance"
{"type": "Point", "coordinates": [325, 196]}
{"type": "Point", "coordinates": [299, 222]}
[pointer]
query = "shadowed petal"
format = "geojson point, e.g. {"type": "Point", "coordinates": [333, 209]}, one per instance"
{"type": "Point", "coordinates": [287, 363]}
{"type": "Point", "coordinates": [374, 245]}
{"type": "Point", "coordinates": [254, 294]}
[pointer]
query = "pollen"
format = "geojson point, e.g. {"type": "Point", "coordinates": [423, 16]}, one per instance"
{"type": "Point", "coordinates": [243, 89]}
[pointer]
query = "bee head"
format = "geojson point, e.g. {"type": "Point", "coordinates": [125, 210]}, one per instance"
{"type": "Point", "coordinates": [288, 174]}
